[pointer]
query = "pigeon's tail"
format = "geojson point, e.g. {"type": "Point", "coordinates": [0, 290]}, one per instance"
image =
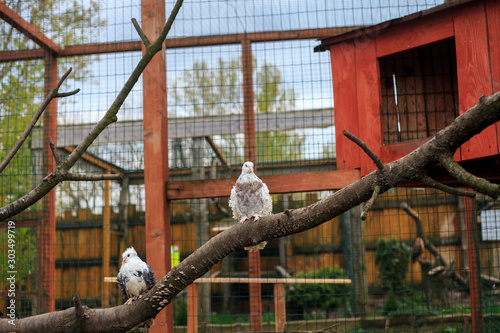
{"type": "Point", "coordinates": [257, 247]}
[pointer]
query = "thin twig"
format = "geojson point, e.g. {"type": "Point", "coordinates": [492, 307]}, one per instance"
{"type": "Point", "coordinates": [92, 178]}
{"type": "Point", "coordinates": [366, 149]}
{"type": "Point", "coordinates": [141, 33]}
{"type": "Point", "coordinates": [53, 150]}
{"type": "Point", "coordinates": [439, 186]}
{"type": "Point", "coordinates": [45, 103]}
{"type": "Point", "coordinates": [431, 247]}
{"type": "Point", "coordinates": [69, 93]}
{"type": "Point", "coordinates": [369, 204]}
{"type": "Point", "coordinates": [479, 184]}
{"type": "Point", "coordinates": [79, 310]}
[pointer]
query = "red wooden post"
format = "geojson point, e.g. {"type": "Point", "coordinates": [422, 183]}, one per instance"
{"type": "Point", "coordinates": [368, 97]}
{"type": "Point", "coordinates": [158, 233]}
{"type": "Point", "coordinates": [279, 307]}
{"type": "Point", "coordinates": [192, 308]}
{"type": "Point", "coordinates": [344, 86]}
{"type": "Point", "coordinates": [250, 154]}
{"type": "Point", "coordinates": [473, 72]}
{"type": "Point", "coordinates": [474, 270]}
{"type": "Point", "coordinates": [493, 19]}
{"type": "Point", "coordinates": [46, 232]}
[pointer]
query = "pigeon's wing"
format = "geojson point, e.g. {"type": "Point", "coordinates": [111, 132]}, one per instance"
{"type": "Point", "coordinates": [267, 201]}
{"type": "Point", "coordinates": [122, 280]}
{"type": "Point", "coordinates": [149, 276]}
{"type": "Point", "coordinates": [233, 203]}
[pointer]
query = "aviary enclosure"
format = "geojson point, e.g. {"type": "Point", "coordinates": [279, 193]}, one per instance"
{"type": "Point", "coordinates": [274, 82]}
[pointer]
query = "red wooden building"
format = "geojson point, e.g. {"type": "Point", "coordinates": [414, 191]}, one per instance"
{"type": "Point", "coordinates": [397, 83]}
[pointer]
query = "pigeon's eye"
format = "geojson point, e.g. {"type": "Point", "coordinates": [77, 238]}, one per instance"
{"type": "Point", "coordinates": [128, 255]}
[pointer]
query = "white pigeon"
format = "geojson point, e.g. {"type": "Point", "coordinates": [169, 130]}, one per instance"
{"type": "Point", "coordinates": [135, 276]}
{"type": "Point", "coordinates": [250, 198]}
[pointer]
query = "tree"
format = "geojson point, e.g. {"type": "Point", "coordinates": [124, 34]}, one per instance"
{"type": "Point", "coordinates": [67, 22]}
{"type": "Point", "coordinates": [206, 91]}
{"type": "Point", "coordinates": [439, 149]}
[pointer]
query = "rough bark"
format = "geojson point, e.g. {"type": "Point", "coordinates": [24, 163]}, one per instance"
{"type": "Point", "coordinates": [291, 221]}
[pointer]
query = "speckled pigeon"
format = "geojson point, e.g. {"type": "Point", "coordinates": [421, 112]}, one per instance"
{"type": "Point", "coordinates": [250, 198]}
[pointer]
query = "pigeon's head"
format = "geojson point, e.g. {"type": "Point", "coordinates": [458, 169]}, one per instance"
{"type": "Point", "coordinates": [129, 253]}
{"type": "Point", "coordinates": [247, 167]}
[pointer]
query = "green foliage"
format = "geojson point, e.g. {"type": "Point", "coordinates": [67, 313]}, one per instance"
{"type": "Point", "coordinates": [25, 255]}
{"type": "Point", "coordinates": [392, 258]}
{"type": "Point", "coordinates": [391, 304]}
{"type": "Point", "coordinates": [217, 90]}
{"type": "Point", "coordinates": [321, 295]}
{"type": "Point", "coordinates": [180, 312]}
{"type": "Point", "coordinates": [21, 83]}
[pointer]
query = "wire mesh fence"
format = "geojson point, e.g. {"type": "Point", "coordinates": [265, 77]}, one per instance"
{"type": "Point", "coordinates": [363, 272]}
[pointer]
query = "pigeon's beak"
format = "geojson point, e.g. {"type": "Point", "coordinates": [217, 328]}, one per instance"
{"type": "Point", "coordinates": [251, 169]}
{"type": "Point", "coordinates": [123, 261]}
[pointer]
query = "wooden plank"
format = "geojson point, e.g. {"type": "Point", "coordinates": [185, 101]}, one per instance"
{"type": "Point", "coordinates": [27, 29]}
{"type": "Point", "coordinates": [493, 18]}
{"type": "Point", "coordinates": [344, 88]}
{"type": "Point", "coordinates": [472, 234]}
{"type": "Point", "coordinates": [156, 173]}
{"type": "Point", "coordinates": [127, 131]}
{"type": "Point", "coordinates": [192, 308]}
{"type": "Point", "coordinates": [474, 76]}
{"type": "Point", "coordinates": [416, 33]}
{"type": "Point", "coordinates": [255, 291]}
{"type": "Point", "coordinates": [46, 234]}
{"type": "Point", "coordinates": [272, 280]}
{"type": "Point", "coordinates": [389, 153]}
{"type": "Point", "coordinates": [304, 182]}
{"type": "Point", "coordinates": [368, 95]}
{"type": "Point", "coordinates": [181, 42]}
{"type": "Point", "coordinates": [279, 307]}
{"type": "Point", "coordinates": [106, 240]}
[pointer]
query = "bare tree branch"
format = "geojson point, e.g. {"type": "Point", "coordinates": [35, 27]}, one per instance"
{"type": "Point", "coordinates": [369, 204]}
{"type": "Point", "coordinates": [437, 185]}
{"type": "Point", "coordinates": [92, 178]}
{"type": "Point", "coordinates": [141, 33]}
{"type": "Point", "coordinates": [366, 149]}
{"type": "Point", "coordinates": [57, 176]}
{"type": "Point", "coordinates": [54, 151]}
{"type": "Point", "coordinates": [479, 184]}
{"type": "Point", "coordinates": [125, 317]}
{"type": "Point", "coordinates": [431, 247]}
{"type": "Point", "coordinates": [46, 101]}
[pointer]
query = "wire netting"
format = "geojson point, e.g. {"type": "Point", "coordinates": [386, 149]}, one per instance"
{"type": "Point", "coordinates": [294, 134]}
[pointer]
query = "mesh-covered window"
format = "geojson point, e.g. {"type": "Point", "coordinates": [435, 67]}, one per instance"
{"type": "Point", "coordinates": [419, 91]}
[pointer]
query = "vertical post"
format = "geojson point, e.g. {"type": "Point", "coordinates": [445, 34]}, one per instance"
{"type": "Point", "coordinates": [158, 233]}
{"type": "Point", "coordinates": [46, 232]}
{"type": "Point", "coordinates": [106, 241]}
{"type": "Point", "coordinates": [279, 307]}
{"type": "Point", "coordinates": [250, 155]}
{"type": "Point", "coordinates": [474, 268]}
{"type": "Point", "coordinates": [192, 308]}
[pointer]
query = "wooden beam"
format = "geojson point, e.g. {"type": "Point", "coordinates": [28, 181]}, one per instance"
{"type": "Point", "coordinates": [192, 308]}
{"type": "Point", "coordinates": [112, 279]}
{"type": "Point", "coordinates": [271, 280]}
{"type": "Point", "coordinates": [181, 42]}
{"type": "Point", "coordinates": [106, 241]}
{"type": "Point", "coordinates": [156, 172]}
{"type": "Point", "coordinates": [29, 30]}
{"type": "Point", "coordinates": [280, 307]}
{"type": "Point", "coordinates": [304, 182]}
{"type": "Point", "coordinates": [46, 233]}
{"type": "Point", "coordinates": [188, 127]}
